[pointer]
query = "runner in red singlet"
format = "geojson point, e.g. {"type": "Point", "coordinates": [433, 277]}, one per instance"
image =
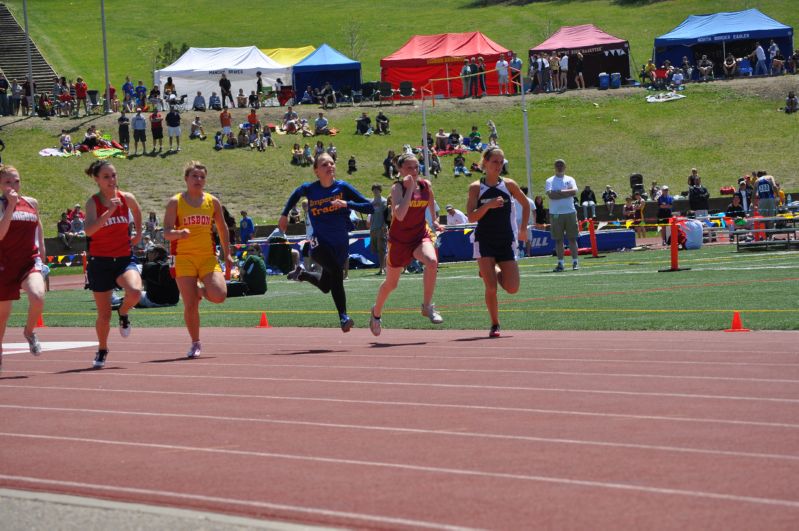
{"type": "Point", "coordinates": [409, 237]}
{"type": "Point", "coordinates": [111, 262]}
{"type": "Point", "coordinates": [21, 248]}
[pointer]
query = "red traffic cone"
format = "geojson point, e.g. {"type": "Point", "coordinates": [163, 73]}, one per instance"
{"type": "Point", "coordinates": [737, 326]}
{"type": "Point", "coordinates": [264, 321]}
{"type": "Point", "coordinates": [40, 322]}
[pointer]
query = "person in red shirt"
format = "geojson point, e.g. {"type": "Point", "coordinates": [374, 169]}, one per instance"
{"type": "Point", "coordinates": [409, 238]}
{"type": "Point", "coordinates": [21, 249]}
{"type": "Point", "coordinates": [157, 129]}
{"type": "Point", "coordinates": [81, 91]}
{"type": "Point", "coordinates": [110, 248]}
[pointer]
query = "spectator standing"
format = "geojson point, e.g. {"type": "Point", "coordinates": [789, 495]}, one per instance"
{"type": "Point", "coordinates": [474, 79]}
{"type": "Point", "coordinates": [665, 204]}
{"type": "Point", "coordinates": [609, 197]}
{"type": "Point", "coordinates": [502, 74]}
{"type": "Point", "coordinates": [157, 129]}
{"type": "Point", "coordinates": [224, 88]}
{"type": "Point", "coordinates": [16, 97]}
{"type": "Point", "coordinates": [246, 227]}
{"type": "Point", "coordinates": [564, 71]}
{"type": "Point", "coordinates": [5, 89]}
{"type": "Point", "coordinates": [466, 79]}
{"type": "Point", "coordinates": [378, 227]}
{"type": "Point", "coordinates": [578, 71]}
{"type": "Point", "coordinates": [761, 66]}
{"type": "Point", "coordinates": [561, 190]}
{"type": "Point", "coordinates": [554, 70]}
{"type": "Point", "coordinates": [173, 127]}
{"type": "Point", "coordinates": [225, 121]}
{"type": "Point", "coordinates": [515, 67]}
{"type": "Point", "coordinates": [588, 200]}
{"type": "Point", "coordinates": [124, 129]}
{"type": "Point", "coordinates": [81, 91]}
{"type": "Point", "coordinates": [698, 198]}
{"type": "Point", "coordinates": [773, 53]}
{"type": "Point", "coordinates": [640, 208]}
{"type": "Point", "coordinates": [765, 195]}
{"type": "Point", "coordinates": [139, 125]}
{"type": "Point", "coordinates": [481, 76]}
{"type": "Point", "coordinates": [745, 194]}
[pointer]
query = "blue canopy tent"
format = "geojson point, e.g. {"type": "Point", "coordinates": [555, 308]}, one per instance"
{"type": "Point", "coordinates": [327, 64]}
{"type": "Point", "coordinates": [718, 34]}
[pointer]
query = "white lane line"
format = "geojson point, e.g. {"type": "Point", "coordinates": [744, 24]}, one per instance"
{"type": "Point", "coordinates": [790, 504]}
{"type": "Point", "coordinates": [467, 407]}
{"type": "Point", "coordinates": [376, 519]}
{"type": "Point", "coordinates": [433, 385]}
{"type": "Point", "coordinates": [454, 370]}
{"type": "Point", "coordinates": [419, 431]}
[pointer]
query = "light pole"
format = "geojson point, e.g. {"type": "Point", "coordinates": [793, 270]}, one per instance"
{"type": "Point", "coordinates": [105, 60]}
{"type": "Point", "coordinates": [528, 162]}
{"type": "Point", "coordinates": [30, 61]}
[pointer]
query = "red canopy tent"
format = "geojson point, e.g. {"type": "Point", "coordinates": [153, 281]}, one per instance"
{"type": "Point", "coordinates": [426, 57]}
{"type": "Point", "coordinates": [602, 52]}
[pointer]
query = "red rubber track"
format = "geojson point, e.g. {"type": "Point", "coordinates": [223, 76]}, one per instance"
{"type": "Point", "coordinates": [441, 429]}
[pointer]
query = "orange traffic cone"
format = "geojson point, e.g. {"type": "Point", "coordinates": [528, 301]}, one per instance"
{"type": "Point", "coordinates": [40, 322]}
{"type": "Point", "coordinates": [264, 321]}
{"type": "Point", "coordinates": [737, 326]}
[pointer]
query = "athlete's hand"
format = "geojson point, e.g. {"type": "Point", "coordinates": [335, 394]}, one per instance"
{"type": "Point", "coordinates": [522, 236]}
{"type": "Point", "coordinates": [338, 203]}
{"type": "Point", "coordinates": [137, 238]}
{"type": "Point", "coordinates": [283, 224]}
{"type": "Point", "coordinates": [410, 180]}
{"type": "Point", "coordinates": [183, 234]}
{"type": "Point", "coordinates": [229, 262]}
{"type": "Point", "coordinates": [498, 202]}
{"type": "Point", "coordinates": [437, 227]}
{"type": "Point", "coordinates": [12, 197]}
{"type": "Point", "coordinates": [116, 202]}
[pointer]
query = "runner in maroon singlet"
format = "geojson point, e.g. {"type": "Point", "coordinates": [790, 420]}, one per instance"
{"type": "Point", "coordinates": [21, 249]}
{"type": "Point", "coordinates": [110, 248]}
{"type": "Point", "coordinates": [409, 237]}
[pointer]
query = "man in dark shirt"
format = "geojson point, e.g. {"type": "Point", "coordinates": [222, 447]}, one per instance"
{"type": "Point", "coordinates": [124, 129]}
{"type": "Point", "coordinates": [698, 198]}
{"type": "Point", "coordinates": [382, 123]}
{"type": "Point", "coordinates": [224, 87]}
{"type": "Point", "coordinates": [5, 108]}
{"type": "Point", "coordinates": [161, 288]}
{"type": "Point", "coordinates": [588, 200]}
{"type": "Point", "coordinates": [65, 233]}
{"type": "Point", "coordinates": [173, 127]}
{"type": "Point", "coordinates": [363, 125]}
{"type": "Point", "coordinates": [735, 209]}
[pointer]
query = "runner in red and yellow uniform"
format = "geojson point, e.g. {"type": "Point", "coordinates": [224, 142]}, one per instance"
{"type": "Point", "coordinates": [187, 224]}
{"type": "Point", "coordinates": [111, 263]}
{"type": "Point", "coordinates": [21, 248]}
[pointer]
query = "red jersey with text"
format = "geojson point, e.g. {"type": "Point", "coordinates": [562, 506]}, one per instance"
{"type": "Point", "coordinates": [21, 243]}
{"type": "Point", "coordinates": [113, 238]}
{"type": "Point", "coordinates": [413, 228]}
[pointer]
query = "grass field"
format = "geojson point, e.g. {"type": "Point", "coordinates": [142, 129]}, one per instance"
{"type": "Point", "coordinates": [622, 291]}
{"type": "Point", "coordinates": [724, 129]}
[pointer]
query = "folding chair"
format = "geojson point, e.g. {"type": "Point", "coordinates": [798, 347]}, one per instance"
{"type": "Point", "coordinates": [369, 92]}
{"type": "Point", "coordinates": [386, 93]}
{"type": "Point", "coordinates": [346, 96]}
{"type": "Point", "coordinates": [95, 105]}
{"type": "Point", "coordinates": [406, 91]}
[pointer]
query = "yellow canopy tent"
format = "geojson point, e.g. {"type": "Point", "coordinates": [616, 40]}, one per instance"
{"type": "Point", "coordinates": [288, 56]}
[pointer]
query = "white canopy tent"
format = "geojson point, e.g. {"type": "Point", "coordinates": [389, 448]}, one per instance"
{"type": "Point", "coordinates": [202, 68]}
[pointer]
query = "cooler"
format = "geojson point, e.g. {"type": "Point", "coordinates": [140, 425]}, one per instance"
{"type": "Point", "coordinates": [604, 81]}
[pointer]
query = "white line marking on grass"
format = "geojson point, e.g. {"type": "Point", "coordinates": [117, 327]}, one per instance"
{"type": "Point", "coordinates": [468, 407]}
{"type": "Point", "coordinates": [434, 385]}
{"type": "Point", "coordinates": [790, 504]}
{"type": "Point", "coordinates": [375, 519]}
{"type": "Point", "coordinates": [420, 431]}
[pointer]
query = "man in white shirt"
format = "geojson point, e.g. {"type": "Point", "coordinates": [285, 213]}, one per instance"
{"type": "Point", "coordinates": [564, 71]}
{"type": "Point", "coordinates": [561, 190]}
{"type": "Point", "coordinates": [455, 216]}
{"type": "Point", "coordinates": [761, 67]}
{"type": "Point", "coordinates": [502, 72]}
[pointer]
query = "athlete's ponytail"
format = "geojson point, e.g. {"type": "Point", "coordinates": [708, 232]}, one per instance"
{"type": "Point", "coordinates": [194, 165]}
{"type": "Point", "coordinates": [94, 169]}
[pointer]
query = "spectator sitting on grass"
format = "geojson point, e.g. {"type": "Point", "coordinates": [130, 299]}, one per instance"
{"type": "Point", "coordinates": [252, 100]}
{"type": "Point", "coordinates": [321, 125]}
{"type": "Point", "coordinates": [307, 158]}
{"type": "Point", "coordinates": [435, 165]}
{"type": "Point", "coordinates": [332, 151]}
{"type": "Point", "coordinates": [219, 141]}
{"type": "Point", "coordinates": [243, 139]}
{"type": "Point", "coordinates": [475, 141]}
{"type": "Point", "coordinates": [352, 165]}
{"type": "Point", "coordinates": [215, 102]}
{"type": "Point", "coordinates": [297, 158]}
{"type": "Point", "coordinates": [389, 168]}
{"type": "Point", "coordinates": [381, 123]}
{"type": "Point", "coordinates": [241, 99]}
{"type": "Point", "coordinates": [441, 140]}
{"type": "Point", "coordinates": [677, 80]}
{"type": "Point", "coordinates": [459, 165]}
{"type": "Point", "coordinates": [199, 102]}
{"type": "Point", "coordinates": [65, 142]}
{"type": "Point", "coordinates": [308, 96]}
{"type": "Point", "coordinates": [363, 125]}
{"type": "Point", "coordinates": [453, 140]}
{"type": "Point", "coordinates": [197, 130]}
{"type": "Point", "coordinates": [791, 103]}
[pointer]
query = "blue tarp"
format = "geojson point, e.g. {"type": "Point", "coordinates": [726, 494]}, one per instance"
{"type": "Point", "coordinates": [327, 64]}
{"type": "Point", "coordinates": [720, 29]}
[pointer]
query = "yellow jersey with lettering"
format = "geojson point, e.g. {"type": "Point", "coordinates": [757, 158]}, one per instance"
{"type": "Point", "coordinates": [198, 220]}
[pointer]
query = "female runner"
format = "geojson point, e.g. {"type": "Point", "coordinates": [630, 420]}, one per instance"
{"type": "Point", "coordinates": [496, 235]}
{"type": "Point", "coordinates": [409, 237]}
{"type": "Point", "coordinates": [329, 204]}
{"type": "Point", "coordinates": [110, 250]}
{"type": "Point", "coordinates": [187, 225]}
{"type": "Point", "coordinates": [21, 249]}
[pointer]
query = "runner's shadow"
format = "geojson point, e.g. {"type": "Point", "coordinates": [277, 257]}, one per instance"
{"type": "Point", "coordinates": [309, 351]}
{"type": "Point", "coordinates": [389, 345]}
{"type": "Point", "coordinates": [182, 358]}
{"type": "Point", "coordinates": [481, 338]}
{"type": "Point", "coordinates": [13, 377]}
{"type": "Point", "coordinates": [90, 369]}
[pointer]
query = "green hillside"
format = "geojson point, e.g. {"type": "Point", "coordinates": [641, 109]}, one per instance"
{"type": "Point", "coordinates": [68, 32]}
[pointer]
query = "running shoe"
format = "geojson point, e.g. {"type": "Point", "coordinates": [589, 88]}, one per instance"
{"type": "Point", "coordinates": [99, 359]}
{"type": "Point", "coordinates": [431, 313]}
{"type": "Point", "coordinates": [558, 269]}
{"type": "Point", "coordinates": [375, 323]}
{"type": "Point", "coordinates": [346, 323]}
{"type": "Point", "coordinates": [575, 266]}
{"type": "Point", "coordinates": [33, 344]}
{"type": "Point", "coordinates": [194, 350]}
{"type": "Point", "coordinates": [124, 325]}
{"type": "Point", "coordinates": [494, 332]}
{"type": "Point", "coordinates": [295, 275]}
